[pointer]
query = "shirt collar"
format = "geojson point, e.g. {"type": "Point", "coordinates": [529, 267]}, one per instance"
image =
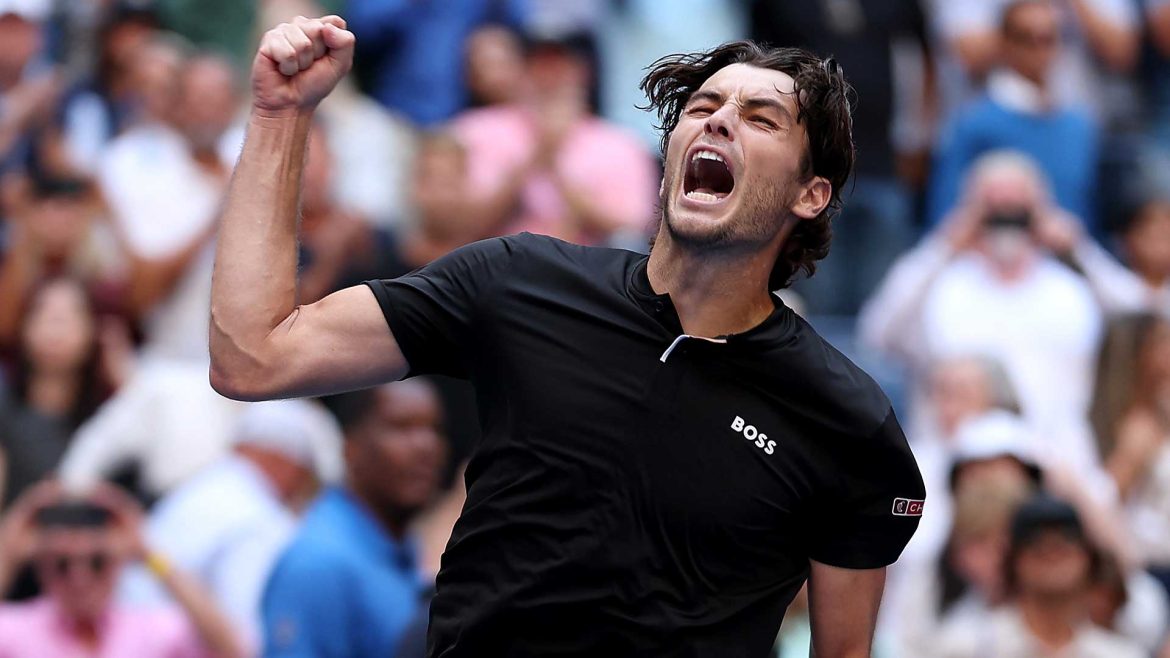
{"type": "Point", "coordinates": [365, 529]}
{"type": "Point", "coordinates": [659, 306]}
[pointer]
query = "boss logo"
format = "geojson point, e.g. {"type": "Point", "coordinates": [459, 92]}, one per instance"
{"type": "Point", "coordinates": [907, 507]}
{"type": "Point", "coordinates": [752, 434]}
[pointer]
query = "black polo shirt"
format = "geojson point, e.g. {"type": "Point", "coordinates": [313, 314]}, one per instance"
{"type": "Point", "coordinates": [636, 492]}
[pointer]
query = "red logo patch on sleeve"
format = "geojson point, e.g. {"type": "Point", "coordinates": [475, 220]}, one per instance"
{"type": "Point", "coordinates": [907, 507]}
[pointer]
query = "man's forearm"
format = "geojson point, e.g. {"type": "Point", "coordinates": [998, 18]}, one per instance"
{"type": "Point", "coordinates": [255, 276]}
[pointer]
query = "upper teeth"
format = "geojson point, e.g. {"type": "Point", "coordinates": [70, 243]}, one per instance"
{"type": "Point", "coordinates": [706, 155]}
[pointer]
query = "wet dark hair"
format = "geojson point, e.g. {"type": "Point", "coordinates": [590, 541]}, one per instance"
{"type": "Point", "coordinates": [824, 101]}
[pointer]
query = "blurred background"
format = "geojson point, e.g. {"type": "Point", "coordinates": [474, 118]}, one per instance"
{"type": "Point", "coordinates": [1001, 266]}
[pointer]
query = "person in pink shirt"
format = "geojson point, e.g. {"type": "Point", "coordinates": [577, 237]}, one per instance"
{"type": "Point", "coordinates": [548, 165]}
{"type": "Point", "coordinates": [77, 549]}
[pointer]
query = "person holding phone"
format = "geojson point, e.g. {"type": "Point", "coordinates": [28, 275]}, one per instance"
{"type": "Point", "coordinates": [77, 548]}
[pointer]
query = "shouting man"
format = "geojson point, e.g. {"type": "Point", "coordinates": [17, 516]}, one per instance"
{"type": "Point", "coordinates": [669, 452]}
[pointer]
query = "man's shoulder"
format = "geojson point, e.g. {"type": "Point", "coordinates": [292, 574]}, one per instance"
{"type": "Point", "coordinates": [843, 393]}
{"type": "Point", "coordinates": [536, 254]}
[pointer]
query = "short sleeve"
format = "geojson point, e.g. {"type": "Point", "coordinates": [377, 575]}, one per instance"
{"type": "Point", "coordinates": [868, 515]}
{"type": "Point", "coordinates": [434, 311]}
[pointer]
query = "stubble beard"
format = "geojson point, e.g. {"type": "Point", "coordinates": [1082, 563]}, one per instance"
{"type": "Point", "coordinates": [756, 223]}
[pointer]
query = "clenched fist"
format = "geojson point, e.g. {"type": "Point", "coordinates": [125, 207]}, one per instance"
{"type": "Point", "coordinates": [299, 63]}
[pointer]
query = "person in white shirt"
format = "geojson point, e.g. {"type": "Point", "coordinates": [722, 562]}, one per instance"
{"type": "Point", "coordinates": [229, 523]}
{"type": "Point", "coordinates": [983, 284]}
{"type": "Point", "coordinates": [1049, 569]}
{"type": "Point", "coordinates": [163, 180]}
{"type": "Point", "coordinates": [1103, 39]}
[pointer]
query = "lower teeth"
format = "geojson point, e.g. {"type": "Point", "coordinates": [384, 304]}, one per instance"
{"type": "Point", "coordinates": [702, 196]}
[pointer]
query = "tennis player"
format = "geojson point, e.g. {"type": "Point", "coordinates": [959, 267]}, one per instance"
{"type": "Point", "coordinates": [669, 452]}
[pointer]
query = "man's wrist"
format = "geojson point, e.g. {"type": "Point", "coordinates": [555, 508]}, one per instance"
{"type": "Point", "coordinates": [281, 115]}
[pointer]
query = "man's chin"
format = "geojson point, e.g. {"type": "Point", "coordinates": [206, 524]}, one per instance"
{"type": "Point", "coordinates": [696, 228]}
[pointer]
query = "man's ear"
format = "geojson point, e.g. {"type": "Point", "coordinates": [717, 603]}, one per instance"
{"type": "Point", "coordinates": [813, 198]}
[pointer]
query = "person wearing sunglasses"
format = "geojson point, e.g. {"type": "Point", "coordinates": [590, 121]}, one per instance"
{"type": "Point", "coordinates": [77, 549]}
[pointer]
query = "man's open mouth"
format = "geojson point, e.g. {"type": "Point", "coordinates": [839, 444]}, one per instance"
{"type": "Point", "coordinates": [707, 178]}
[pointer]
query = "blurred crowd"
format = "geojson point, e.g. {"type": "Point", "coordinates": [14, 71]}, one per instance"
{"type": "Point", "coordinates": [1001, 265]}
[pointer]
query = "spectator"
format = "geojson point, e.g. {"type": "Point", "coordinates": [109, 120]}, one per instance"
{"type": "Point", "coordinates": [59, 381]}
{"type": "Point", "coordinates": [57, 231]}
{"type": "Point", "coordinates": [549, 166]}
{"type": "Point", "coordinates": [352, 564]}
{"type": "Point", "coordinates": [960, 389]}
{"type": "Point", "coordinates": [229, 523]}
{"type": "Point", "coordinates": [1145, 245]}
{"type": "Point", "coordinates": [373, 149]}
{"type": "Point", "coordinates": [446, 217]}
{"type": "Point", "coordinates": [338, 249]}
{"type": "Point", "coordinates": [1101, 37]}
{"type": "Point", "coordinates": [965, 581]}
{"type": "Point", "coordinates": [1133, 371]}
{"type": "Point", "coordinates": [104, 102]}
{"type": "Point", "coordinates": [163, 180]}
{"type": "Point", "coordinates": [27, 83]}
{"type": "Point", "coordinates": [1049, 569]}
{"type": "Point", "coordinates": [1129, 603]}
{"type": "Point", "coordinates": [163, 426]}
{"type": "Point", "coordinates": [1022, 112]}
{"type": "Point", "coordinates": [875, 225]}
{"type": "Point", "coordinates": [415, 50]}
{"type": "Point", "coordinates": [79, 549]}
{"type": "Point", "coordinates": [984, 284]}
{"type": "Point", "coordinates": [495, 67]}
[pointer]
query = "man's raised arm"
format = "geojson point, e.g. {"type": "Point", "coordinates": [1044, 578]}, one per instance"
{"type": "Point", "coordinates": [263, 345]}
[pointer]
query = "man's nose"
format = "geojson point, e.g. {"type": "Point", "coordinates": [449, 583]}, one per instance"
{"type": "Point", "coordinates": [720, 123]}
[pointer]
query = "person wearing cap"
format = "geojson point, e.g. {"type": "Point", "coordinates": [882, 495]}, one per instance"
{"type": "Point", "coordinates": [230, 522]}
{"type": "Point", "coordinates": [963, 578]}
{"type": "Point", "coordinates": [548, 164]}
{"type": "Point", "coordinates": [988, 445]}
{"type": "Point", "coordinates": [1049, 568]}
{"type": "Point", "coordinates": [78, 546]}
{"type": "Point", "coordinates": [350, 582]}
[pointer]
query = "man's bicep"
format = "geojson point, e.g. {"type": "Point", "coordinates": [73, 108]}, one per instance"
{"type": "Point", "coordinates": [339, 343]}
{"type": "Point", "coordinates": [843, 607]}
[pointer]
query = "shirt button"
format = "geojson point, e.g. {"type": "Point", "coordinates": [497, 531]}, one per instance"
{"type": "Point", "coordinates": [659, 307]}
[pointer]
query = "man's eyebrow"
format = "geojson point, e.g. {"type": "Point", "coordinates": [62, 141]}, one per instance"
{"type": "Point", "coordinates": [754, 103]}
{"type": "Point", "coordinates": [706, 95]}
{"type": "Point", "coordinates": [759, 102]}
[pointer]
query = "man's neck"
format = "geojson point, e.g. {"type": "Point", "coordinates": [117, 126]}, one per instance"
{"type": "Point", "coordinates": [1052, 620]}
{"type": "Point", "coordinates": [715, 292]}
{"type": "Point", "coordinates": [393, 521]}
